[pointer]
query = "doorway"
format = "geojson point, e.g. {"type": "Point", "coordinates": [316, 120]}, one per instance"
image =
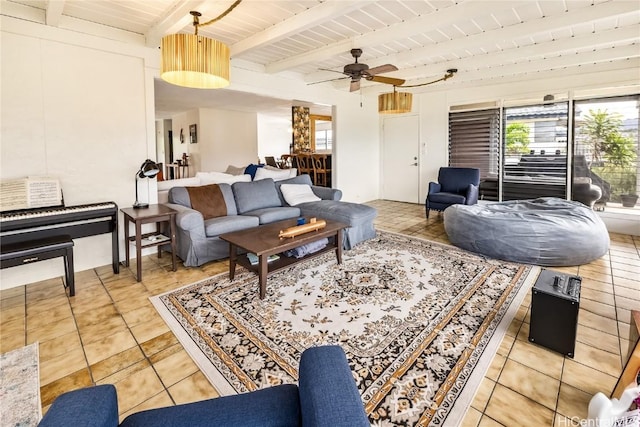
{"type": "Point", "coordinates": [400, 154]}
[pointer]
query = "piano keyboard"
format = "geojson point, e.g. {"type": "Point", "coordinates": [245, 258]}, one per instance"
{"type": "Point", "coordinates": [43, 212]}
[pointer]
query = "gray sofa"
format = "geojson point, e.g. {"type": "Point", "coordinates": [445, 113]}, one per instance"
{"type": "Point", "coordinates": [250, 204]}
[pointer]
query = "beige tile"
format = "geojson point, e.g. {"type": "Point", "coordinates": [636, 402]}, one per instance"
{"type": "Point", "coordinates": [496, 367]}
{"type": "Point", "coordinates": [506, 345]}
{"type": "Point", "coordinates": [573, 402]}
{"type": "Point", "coordinates": [61, 366]}
{"type": "Point", "coordinates": [471, 418]}
{"type": "Point", "coordinates": [150, 329]}
{"type": "Point", "coordinates": [76, 380]}
{"type": "Point", "coordinates": [51, 330]}
{"type": "Point", "coordinates": [160, 400]}
{"type": "Point", "coordinates": [175, 367]}
{"type": "Point", "coordinates": [486, 421]}
{"type": "Point", "coordinates": [12, 342]}
{"type": "Point", "coordinates": [539, 358]}
{"type": "Point", "coordinates": [137, 388]}
{"type": "Point", "coordinates": [585, 378]}
{"type": "Point", "coordinates": [528, 382]}
{"type": "Point", "coordinates": [59, 345]}
{"type": "Point", "coordinates": [109, 346]}
{"type": "Point", "coordinates": [126, 372]}
{"type": "Point", "coordinates": [511, 408]}
{"type": "Point", "coordinates": [601, 360]}
{"type": "Point", "coordinates": [159, 343]}
{"type": "Point", "coordinates": [140, 315]}
{"type": "Point", "coordinates": [598, 308]}
{"type": "Point", "coordinates": [597, 339]}
{"type": "Point", "coordinates": [595, 321]}
{"type": "Point", "coordinates": [98, 331]}
{"type": "Point", "coordinates": [483, 394]}
{"type": "Point", "coordinates": [116, 363]}
{"type": "Point", "coordinates": [97, 315]}
{"type": "Point", "coordinates": [194, 388]}
{"type": "Point", "coordinates": [17, 311]}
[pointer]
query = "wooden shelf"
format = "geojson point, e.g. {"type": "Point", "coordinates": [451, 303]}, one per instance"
{"type": "Point", "coordinates": [282, 262]}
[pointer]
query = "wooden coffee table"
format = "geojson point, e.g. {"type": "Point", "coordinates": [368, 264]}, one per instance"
{"type": "Point", "coordinates": [264, 241]}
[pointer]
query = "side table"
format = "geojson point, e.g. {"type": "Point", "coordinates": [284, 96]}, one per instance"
{"type": "Point", "coordinates": [154, 213]}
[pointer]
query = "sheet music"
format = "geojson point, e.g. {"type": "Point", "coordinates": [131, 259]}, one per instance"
{"type": "Point", "coordinates": [31, 192]}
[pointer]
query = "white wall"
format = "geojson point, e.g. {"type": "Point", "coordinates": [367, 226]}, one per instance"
{"type": "Point", "coordinates": [77, 113]}
{"type": "Point", "coordinates": [82, 108]}
{"type": "Point", "coordinates": [274, 135]}
{"type": "Point", "coordinates": [228, 138]}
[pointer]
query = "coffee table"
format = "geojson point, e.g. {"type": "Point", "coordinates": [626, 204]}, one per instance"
{"type": "Point", "coordinates": [264, 241]}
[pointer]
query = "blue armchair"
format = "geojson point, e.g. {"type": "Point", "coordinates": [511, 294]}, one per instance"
{"type": "Point", "coordinates": [454, 186]}
{"type": "Point", "coordinates": [326, 395]}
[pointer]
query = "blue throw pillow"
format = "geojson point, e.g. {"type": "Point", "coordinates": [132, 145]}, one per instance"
{"type": "Point", "coordinates": [251, 170]}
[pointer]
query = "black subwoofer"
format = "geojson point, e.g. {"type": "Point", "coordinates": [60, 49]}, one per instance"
{"type": "Point", "coordinates": [555, 301]}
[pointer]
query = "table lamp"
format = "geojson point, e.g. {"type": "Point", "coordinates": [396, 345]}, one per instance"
{"type": "Point", "coordinates": [148, 169]}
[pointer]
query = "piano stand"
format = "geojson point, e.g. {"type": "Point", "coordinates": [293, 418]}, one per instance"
{"type": "Point", "coordinates": [26, 252]}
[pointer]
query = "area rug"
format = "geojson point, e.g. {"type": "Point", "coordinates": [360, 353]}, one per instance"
{"type": "Point", "coordinates": [20, 387]}
{"type": "Point", "coordinates": [419, 322]}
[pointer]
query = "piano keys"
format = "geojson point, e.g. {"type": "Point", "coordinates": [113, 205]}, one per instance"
{"type": "Point", "coordinates": [75, 221]}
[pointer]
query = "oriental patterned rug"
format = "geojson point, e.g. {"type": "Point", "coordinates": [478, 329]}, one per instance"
{"type": "Point", "coordinates": [419, 322]}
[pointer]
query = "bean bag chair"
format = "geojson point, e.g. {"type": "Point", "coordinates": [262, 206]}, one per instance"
{"type": "Point", "coordinates": [545, 231]}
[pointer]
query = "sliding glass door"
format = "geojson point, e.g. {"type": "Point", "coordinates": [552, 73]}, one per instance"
{"type": "Point", "coordinates": [535, 151]}
{"type": "Point", "coordinates": [605, 165]}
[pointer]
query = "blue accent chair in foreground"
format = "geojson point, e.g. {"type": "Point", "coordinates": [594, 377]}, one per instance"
{"type": "Point", "coordinates": [454, 186]}
{"type": "Point", "coordinates": [326, 395]}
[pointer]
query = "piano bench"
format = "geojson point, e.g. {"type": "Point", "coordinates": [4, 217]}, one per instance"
{"type": "Point", "coordinates": [28, 251]}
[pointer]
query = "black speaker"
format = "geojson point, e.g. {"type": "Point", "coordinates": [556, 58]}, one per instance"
{"type": "Point", "coordinates": [555, 301]}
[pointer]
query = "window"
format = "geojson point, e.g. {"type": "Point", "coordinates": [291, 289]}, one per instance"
{"type": "Point", "coordinates": [321, 133]}
{"type": "Point", "coordinates": [535, 151]}
{"type": "Point", "coordinates": [606, 147]}
{"type": "Point", "coordinates": [474, 142]}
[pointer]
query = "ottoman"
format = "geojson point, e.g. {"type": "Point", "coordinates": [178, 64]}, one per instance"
{"type": "Point", "coordinates": [546, 231]}
{"type": "Point", "coordinates": [358, 217]}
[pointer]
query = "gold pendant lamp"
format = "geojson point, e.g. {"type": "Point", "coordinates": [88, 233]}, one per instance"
{"type": "Point", "coordinates": [395, 102]}
{"type": "Point", "coordinates": [195, 61]}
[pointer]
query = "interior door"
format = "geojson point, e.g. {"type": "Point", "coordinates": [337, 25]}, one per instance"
{"type": "Point", "coordinates": [400, 153]}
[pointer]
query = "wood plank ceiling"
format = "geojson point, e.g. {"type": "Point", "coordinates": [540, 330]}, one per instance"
{"type": "Point", "coordinates": [485, 40]}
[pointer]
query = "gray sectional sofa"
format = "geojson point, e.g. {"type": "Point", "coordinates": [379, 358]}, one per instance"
{"type": "Point", "coordinates": [250, 204]}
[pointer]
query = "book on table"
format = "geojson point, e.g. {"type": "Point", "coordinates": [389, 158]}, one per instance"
{"type": "Point", "coordinates": [253, 258]}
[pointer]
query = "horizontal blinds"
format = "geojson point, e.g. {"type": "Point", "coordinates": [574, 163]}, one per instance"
{"type": "Point", "coordinates": [474, 141]}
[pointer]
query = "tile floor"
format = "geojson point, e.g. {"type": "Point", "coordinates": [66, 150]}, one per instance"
{"type": "Point", "coordinates": [110, 333]}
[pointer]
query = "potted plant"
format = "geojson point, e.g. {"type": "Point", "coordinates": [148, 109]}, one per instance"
{"type": "Point", "coordinates": [629, 200]}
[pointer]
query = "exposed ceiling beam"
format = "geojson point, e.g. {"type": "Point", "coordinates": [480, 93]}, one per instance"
{"type": "Point", "coordinates": [309, 18]}
{"type": "Point", "coordinates": [596, 41]}
{"type": "Point", "coordinates": [172, 21]}
{"type": "Point", "coordinates": [504, 36]}
{"type": "Point", "coordinates": [397, 31]}
{"type": "Point", "coordinates": [54, 12]}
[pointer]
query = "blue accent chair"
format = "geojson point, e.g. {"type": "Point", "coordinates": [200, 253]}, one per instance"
{"type": "Point", "coordinates": [454, 186]}
{"type": "Point", "coordinates": [326, 396]}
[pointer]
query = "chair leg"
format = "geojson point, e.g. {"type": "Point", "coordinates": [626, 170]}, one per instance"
{"type": "Point", "coordinates": [427, 213]}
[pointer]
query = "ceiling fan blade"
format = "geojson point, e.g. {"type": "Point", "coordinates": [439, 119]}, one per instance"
{"type": "Point", "coordinates": [330, 80]}
{"type": "Point", "coordinates": [333, 71]}
{"type": "Point", "coordinates": [355, 85]}
{"type": "Point", "coordinates": [387, 68]}
{"type": "Point", "coordinates": [387, 80]}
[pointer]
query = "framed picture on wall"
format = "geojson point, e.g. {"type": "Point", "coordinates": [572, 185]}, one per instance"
{"type": "Point", "coordinates": [193, 134]}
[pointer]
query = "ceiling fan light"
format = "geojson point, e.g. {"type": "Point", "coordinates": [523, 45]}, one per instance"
{"type": "Point", "coordinates": [194, 61]}
{"type": "Point", "coordinates": [395, 102]}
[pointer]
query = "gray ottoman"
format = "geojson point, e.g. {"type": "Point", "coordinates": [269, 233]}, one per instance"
{"type": "Point", "coordinates": [358, 217]}
{"type": "Point", "coordinates": [545, 231]}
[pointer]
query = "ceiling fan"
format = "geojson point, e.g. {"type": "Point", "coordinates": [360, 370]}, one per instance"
{"type": "Point", "coordinates": [357, 71]}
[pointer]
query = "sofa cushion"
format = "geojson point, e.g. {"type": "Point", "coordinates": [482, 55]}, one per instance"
{"type": "Point", "coordinates": [294, 194]}
{"type": "Point", "coordinates": [220, 177]}
{"type": "Point", "coordinates": [275, 174]}
{"type": "Point", "coordinates": [446, 198]}
{"type": "Point", "coordinates": [226, 224]}
{"type": "Point", "coordinates": [250, 196]}
{"type": "Point", "coordinates": [269, 215]}
{"type": "Point", "coordinates": [180, 196]}
{"type": "Point", "coordinates": [235, 170]}
{"type": "Point", "coordinates": [208, 200]}
{"type": "Point", "coordinates": [351, 214]}
{"type": "Point", "coordinates": [251, 169]}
